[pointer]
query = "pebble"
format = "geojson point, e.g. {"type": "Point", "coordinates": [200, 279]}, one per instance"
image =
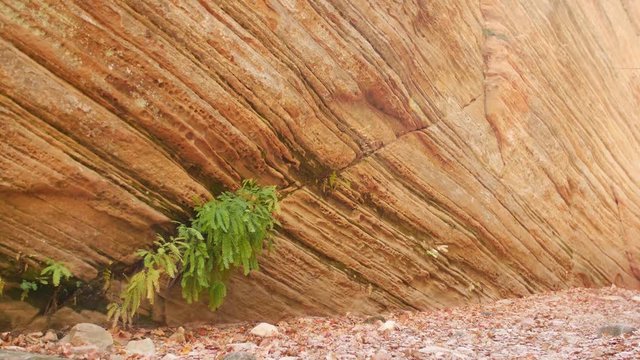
{"type": "Point", "coordinates": [170, 357]}
{"type": "Point", "coordinates": [387, 326]}
{"type": "Point", "coordinates": [534, 328]}
{"type": "Point", "coordinates": [239, 355]}
{"type": "Point", "coordinates": [438, 350]}
{"type": "Point", "coordinates": [246, 346]}
{"type": "Point", "coordinates": [84, 349]}
{"type": "Point", "coordinates": [50, 336]}
{"type": "Point", "coordinates": [89, 334]}
{"type": "Point", "coordinates": [178, 336]}
{"type": "Point", "coordinates": [557, 322]}
{"type": "Point", "coordinates": [381, 355]}
{"type": "Point", "coordinates": [615, 330]}
{"type": "Point", "coordinates": [374, 319]}
{"type": "Point", "coordinates": [144, 347]}
{"type": "Point", "coordinates": [264, 330]}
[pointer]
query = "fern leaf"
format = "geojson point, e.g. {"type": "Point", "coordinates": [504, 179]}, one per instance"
{"type": "Point", "coordinates": [217, 293]}
{"type": "Point", "coordinates": [56, 278]}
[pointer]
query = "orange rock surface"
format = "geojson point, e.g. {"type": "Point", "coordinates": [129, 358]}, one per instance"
{"type": "Point", "coordinates": [508, 131]}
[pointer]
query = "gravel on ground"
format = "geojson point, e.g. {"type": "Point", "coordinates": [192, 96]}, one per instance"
{"type": "Point", "coordinates": [570, 324]}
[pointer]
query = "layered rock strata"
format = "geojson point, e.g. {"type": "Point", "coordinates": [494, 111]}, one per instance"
{"type": "Point", "coordinates": [507, 131]}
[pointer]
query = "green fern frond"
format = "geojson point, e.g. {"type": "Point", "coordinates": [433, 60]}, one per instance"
{"type": "Point", "coordinates": [56, 271]}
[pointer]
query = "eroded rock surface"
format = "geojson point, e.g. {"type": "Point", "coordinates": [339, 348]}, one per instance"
{"type": "Point", "coordinates": [507, 130]}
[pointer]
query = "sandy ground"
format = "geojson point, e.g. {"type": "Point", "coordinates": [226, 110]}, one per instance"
{"type": "Point", "coordinates": [573, 324]}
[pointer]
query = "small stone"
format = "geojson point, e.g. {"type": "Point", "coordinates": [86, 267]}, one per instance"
{"type": "Point", "coordinates": [636, 298]}
{"type": "Point", "coordinates": [33, 338]}
{"type": "Point", "coordinates": [14, 348]}
{"type": "Point", "coordinates": [243, 347]}
{"type": "Point", "coordinates": [50, 336]}
{"type": "Point", "coordinates": [615, 330]}
{"type": "Point", "coordinates": [178, 336]}
{"type": "Point", "coordinates": [458, 333]}
{"type": "Point", "coordinates": [239, 355]}
{"type": "Point", "coordinates": [89, 334]}
{"type": "Point", "coordinates": [504, 302]}
{"type": "Point", "coordinates": [611, 298]}
{"type": "Point", "coordinates": [264, 330]}
{"type": "Point", "coordinates": [170, 357]}
{"type": "Point", "coordinates": [387, 326]}
{"type": "Point", "coordinates": [374, 319]}
{"type": "Point", "coordinates": [20, 355]}
{"type": "Point", "coordinates": [438, 350]}
{"type": "Point", "coordinates": [84, 349]}
{"type": "Point", "coordinates": [557, 322]}
{"type": "Point", "coordinates": [381, 355]}
{"type": "Point", "coordinates": [144, 347]}
{"type": "Point", "coordinates": [290, 358]}
{"type": "Point", "coordinates": [528, 322]}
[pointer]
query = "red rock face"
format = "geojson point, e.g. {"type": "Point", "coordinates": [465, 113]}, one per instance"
{"type": "Point", "coordinates": [507, 130]}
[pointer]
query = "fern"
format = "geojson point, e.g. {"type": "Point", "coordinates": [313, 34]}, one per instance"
{"type": "Point", "coordinates": [27, 286]}
{"type": "Point", "coordinates": [107, 275]}
{"type": "Point", "coordinates": [334, 181]}
{"type": "Point", "coordinates": [146, 283]}
{"type": "Point", "coordinates": [227, 232]}
{"type": "Point", "coordinates": [234, 227]}
{"type": "Point", "coordinates": [56, 271]}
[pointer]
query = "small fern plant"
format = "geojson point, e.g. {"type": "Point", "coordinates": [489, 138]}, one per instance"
{"type": "Point", "coordinates": [146, 283]}
{"type": "Point", "coordinates": [227, 232]}
{"type": "Point", "coordinates": [54, 274]}
{"type": "Point", "coordinates": [333, 182]}
{"type": "Point", "coordinates": [27, 286]}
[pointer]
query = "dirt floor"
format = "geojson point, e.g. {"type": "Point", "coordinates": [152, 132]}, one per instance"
{"type": "Point", "coordinates": [573, 324]}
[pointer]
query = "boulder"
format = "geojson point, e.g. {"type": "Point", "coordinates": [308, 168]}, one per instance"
{"type": "Point", "coordinates": [15, 315]}
{"type": "Point", "coordinates": [66, 317]}
{"type": "Point", "coordinates": [86, 334]}
{"type": "Point", "coordinates": [264, 330]}
{"type": "Point", "coordinates": [144, 347]}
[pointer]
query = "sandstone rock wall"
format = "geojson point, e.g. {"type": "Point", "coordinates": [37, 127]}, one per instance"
{"type": "Point", "coordinates": [507, 130]}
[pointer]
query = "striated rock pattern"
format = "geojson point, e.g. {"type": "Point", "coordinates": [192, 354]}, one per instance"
{"type": "Point", "coordinates": [508, 131]}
